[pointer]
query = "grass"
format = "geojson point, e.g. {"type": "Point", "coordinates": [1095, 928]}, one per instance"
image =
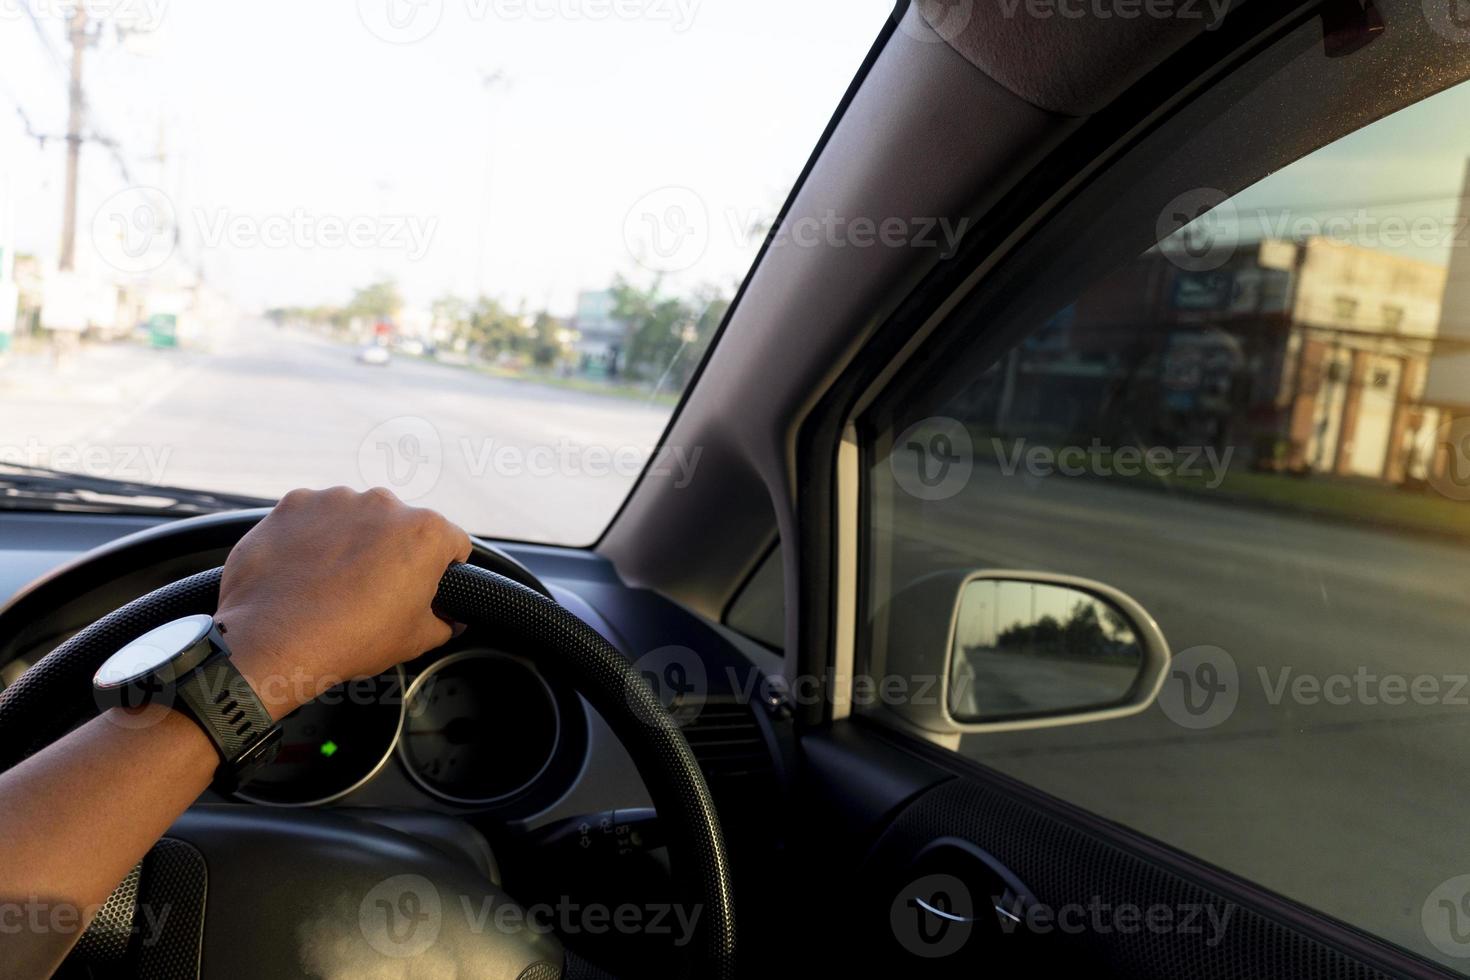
{"type": "Point", "coordinates": [588, 386]}
{"type": "Point", "coordinates": [1349, 499]}
{"type": "Point", "coordinates": [1422, 510]}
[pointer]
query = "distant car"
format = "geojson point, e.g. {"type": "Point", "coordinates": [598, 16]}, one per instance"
{"type": "Point", "coordinates": [374, 355]}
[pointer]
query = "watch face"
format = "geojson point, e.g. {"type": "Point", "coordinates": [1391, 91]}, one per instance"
{"type": "Point", "coordinates": [152, 650]}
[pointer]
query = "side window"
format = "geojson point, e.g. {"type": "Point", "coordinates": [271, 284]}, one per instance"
{"type": "Point", "coordinates": [759, 608]}
{"type": "Point", "coordinates": [1258, 429]}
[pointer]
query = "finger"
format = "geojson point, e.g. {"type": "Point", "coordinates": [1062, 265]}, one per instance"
{"type": "Point", "coordinates": [435, 633]}
{"type": "Point", "coordinates": [457, 543]}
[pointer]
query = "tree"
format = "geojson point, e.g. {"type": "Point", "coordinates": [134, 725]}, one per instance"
{"type": "Point", "coordinates": [667, 337]}
{"type": "Point", "coordinates": [380, 301]}
{"type": "Point", "coordinates": [450, 310]}
{"type": "Point", "coordinates": [495, 330]}
{"type": "Point", "coordinates": [546, 340]}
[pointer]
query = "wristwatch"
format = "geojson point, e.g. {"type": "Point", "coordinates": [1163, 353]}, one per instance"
{"type": "Point", "coordinates": [185, 664]}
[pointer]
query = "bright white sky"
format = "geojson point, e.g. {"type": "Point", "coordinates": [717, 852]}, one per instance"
{"type": "Point", "coordinates": [296, 110]}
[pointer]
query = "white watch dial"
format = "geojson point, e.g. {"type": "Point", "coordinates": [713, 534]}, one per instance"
{"type": "Point", "coordinates": [152, 650]}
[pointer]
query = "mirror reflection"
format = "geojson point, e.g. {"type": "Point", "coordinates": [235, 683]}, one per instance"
{"type": "Point", "coordinates": [1022, 648]}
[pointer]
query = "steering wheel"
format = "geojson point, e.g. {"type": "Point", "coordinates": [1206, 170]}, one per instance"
{"type": "Point", "coordinates": [345, 893]}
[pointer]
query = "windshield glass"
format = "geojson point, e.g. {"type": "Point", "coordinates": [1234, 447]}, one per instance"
{"type": "Point", "coordinates": [470, 250]}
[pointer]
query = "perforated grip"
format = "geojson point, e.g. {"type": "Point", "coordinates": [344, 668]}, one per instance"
{"type": "Point", "coordinates": [49, 700]}
{"type": "Point", "coordinates": [57, 692]}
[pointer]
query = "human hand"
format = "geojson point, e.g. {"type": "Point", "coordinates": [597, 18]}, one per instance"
{"type": "Point", "coordinates": [334, 585]}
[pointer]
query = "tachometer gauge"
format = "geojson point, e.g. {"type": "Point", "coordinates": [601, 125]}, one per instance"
{"type": "Point", "coordinates": [481, 727]}
{"type": "Point", "coordinates": [334, 744]}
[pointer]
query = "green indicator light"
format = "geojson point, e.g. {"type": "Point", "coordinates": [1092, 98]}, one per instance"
{"type": "Point", "coordinates": [329, 748]}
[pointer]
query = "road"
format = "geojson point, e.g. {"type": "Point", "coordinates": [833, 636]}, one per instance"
{"type": "Point", "coordinates": [1332, 796]}
{"type": "Point", "coordinates": [265, 410]}
{"type": "Point", "coordinates": [1354, 807]}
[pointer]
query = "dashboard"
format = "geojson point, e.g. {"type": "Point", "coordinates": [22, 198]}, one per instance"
{"type": "Point", "coordinates": [469, 725]}
{"type": "Point", "coordinates": [470, 729]}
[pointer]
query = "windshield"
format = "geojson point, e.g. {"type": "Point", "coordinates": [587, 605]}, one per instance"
{"type": "Point", "coordinates": [470, 250]}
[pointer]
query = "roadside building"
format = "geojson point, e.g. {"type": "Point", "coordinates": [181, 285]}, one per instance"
{"type": "Point", "coordinates": [601, 339]}
{"type": "Point", "coordinates": [1305, 356]}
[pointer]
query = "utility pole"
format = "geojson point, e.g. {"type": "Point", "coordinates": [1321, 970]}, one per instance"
{"type": "Point", "coordinates": [78, 35]}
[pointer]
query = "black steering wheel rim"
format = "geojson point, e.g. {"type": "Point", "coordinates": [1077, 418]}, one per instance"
{"type": "Point", "coordinates": [560, 642]}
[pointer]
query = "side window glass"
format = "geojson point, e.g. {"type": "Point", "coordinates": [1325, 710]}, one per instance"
{"type": "Point", "coordinates": [759, 608]}
{"type": "Point", "coordinates": [1259, 429]}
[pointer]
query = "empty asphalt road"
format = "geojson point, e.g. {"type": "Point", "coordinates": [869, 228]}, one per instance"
{"type": "Point", "coordinates": [263, 410]}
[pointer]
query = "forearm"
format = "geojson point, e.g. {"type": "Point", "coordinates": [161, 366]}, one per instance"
{"type": "Point", "coordinates": [330, 586]}
{"type": "Point", "coordinates": [78, 815]}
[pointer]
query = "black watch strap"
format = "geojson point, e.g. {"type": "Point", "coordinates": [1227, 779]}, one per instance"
{"type": "Point", "coordinates": [223, 703]}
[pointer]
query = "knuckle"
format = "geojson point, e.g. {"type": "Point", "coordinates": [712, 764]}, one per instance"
{"type": "Point", "coordinates": [294, 498]}
{"type": "Point", "coordinates": [381, 495]}
{"type": "Point", "coordinates": [424, 522]}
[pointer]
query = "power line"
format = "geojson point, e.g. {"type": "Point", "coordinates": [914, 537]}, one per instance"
{"type": "Point", "coordinates": [57, 61]}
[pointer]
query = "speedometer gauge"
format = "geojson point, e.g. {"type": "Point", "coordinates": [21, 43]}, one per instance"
{"type": "Point", "coordinates": [334, 744]}
{"type": "Point", "coordinates": [481, 727]}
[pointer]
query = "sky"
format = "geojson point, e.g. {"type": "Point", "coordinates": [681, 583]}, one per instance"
{"type": "Point", "coordinates": [526, 149]}
{"type": "Point", "coordinates": [1398, 181]}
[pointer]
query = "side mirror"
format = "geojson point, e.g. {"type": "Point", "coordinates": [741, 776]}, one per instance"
{"type": "Point", "coordinates": [1012, 650]}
